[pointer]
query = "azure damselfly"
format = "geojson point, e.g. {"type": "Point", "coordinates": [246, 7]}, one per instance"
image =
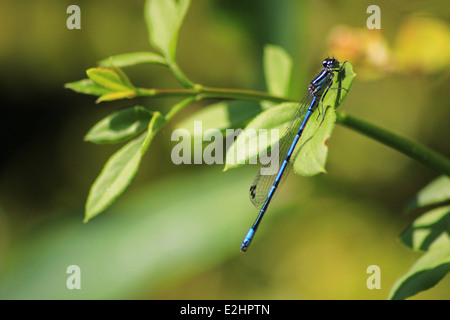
{"type": "Point", "coordinates": [264, 186]}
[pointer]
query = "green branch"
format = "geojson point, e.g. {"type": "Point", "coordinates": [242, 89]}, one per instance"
{"type": "Point", "coordinates": [212, 93]}
{"type": "Point", "coordinates": [420, 153]}
{"type": "Point", "coordinates": [173, 66]}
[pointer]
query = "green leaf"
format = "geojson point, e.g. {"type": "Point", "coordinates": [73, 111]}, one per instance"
{"type": "Point", "coordinates": [164, 18]}
{"type": "Point", "coordinates": [275, 118]}
{"type": "Point", "coordinates": [116, 96]}
{"type": "Point", "coordinates": [120, 170]}
{"type": "Point", "coordinates": [430, 229]}
{"type": "Point", "coordinates": [119, 125]}
{"type": "Point", "coordinates": [87, 86]}
{"type": "Point", "coordinates": [122, 75]}
{"type": "Point", "coordinates": [115, 177]}
{"type": "Point", "coordinates": [108, 79]}
{"type": "Point", "coordinates": [313, 149]}
{"type": "Point", "coordinates": [277, 70]}
{"type": "Point", "coordinates": [343, 79]}
{"type": "Point", "coordinates": [424, 274]}
{"type": "Point", "coordinates": [134, 58]}
{"type": "Point", "coordinates": [109, 84]}
{"type": "Point", "coordinates": [437, 191]}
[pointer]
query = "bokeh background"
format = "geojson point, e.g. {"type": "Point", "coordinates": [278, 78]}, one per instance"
{"type": "Point", "coordinates": [175, 233]}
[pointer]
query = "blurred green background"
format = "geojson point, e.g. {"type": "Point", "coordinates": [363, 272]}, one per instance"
{"type": "Point", "coordinates": [175, 233]}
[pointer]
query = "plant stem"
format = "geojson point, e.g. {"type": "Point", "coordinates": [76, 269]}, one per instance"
{"type": "Point", "coordinates": [179, 74]}
{"type": "Point", "coordinates": [420, 153]}
{"type": "Point", "coordinates": [180, 105]}
{"type": "Point", "coordinates": [212, 93]}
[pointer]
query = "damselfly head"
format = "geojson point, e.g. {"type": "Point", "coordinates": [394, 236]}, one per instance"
{"type": "Point", "coordinates": [330, 63]}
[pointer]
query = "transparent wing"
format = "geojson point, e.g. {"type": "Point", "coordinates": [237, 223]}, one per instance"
{"type": "Point", "coordinates": [268, 172]}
